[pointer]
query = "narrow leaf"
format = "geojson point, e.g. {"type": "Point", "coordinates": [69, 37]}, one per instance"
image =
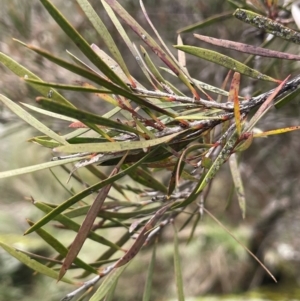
{"type": "Point", "coordinates": [23, 72]}
{"type": "Point", "coordinates": [33, 168]}
{"type": "Point", "coordinates": [83, 89]}
{"type": "Point", "coordinates": [148, 284]}
{"type": "Point", "coordinates": [276, 132]}
{"type": "Point", "coordinates": [31, 120]}
{"type": "Point", "coordinates": [238, 183]}
{"type": "Point", "coordinates": [177, 267]}
{"type": "Point", "coordinates": [33, 264]}
{"type": "Point", "coordinates": [138, 243]}
{"type": "Point", "coordinates": [114, 146]}
{"type": "Point", "coordinates": [233, 97]}
{"type": "Point", "coordinates": [264, 107]}
{"type": "Point", "coordinates": [224, 61]}
{"type": "Point", "coordinates": [246, 48]}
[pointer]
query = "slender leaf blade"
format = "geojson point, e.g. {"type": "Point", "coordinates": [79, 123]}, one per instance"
{"type": "Point", "coordinates": [177, 268]}
{"type": "Point", "coordinates": [31, 120]}
{"type": "Point", "coordinates": [224, 61]}
{"type": "Point", "coordinates": [31, 263]}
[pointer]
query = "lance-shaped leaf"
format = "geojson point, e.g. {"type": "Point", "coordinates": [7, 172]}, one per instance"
{"type": "Point", "coordinates": [277, 131]}
{"type": "Point", "coordinates": [31, 120]}
{"type": "Point", "coordinates": [264, 107]}
{"type": "Point", "coordinates": [138, 243]}
{"type": "Point", "coordinates": [88, 223]}
{"type": "Point", "coordinates": [233, 97]}
{"type": "Point", "coordinates": [106, 36]}
{"type": "Point", "coordinates": [287, 98]}
{"type": "Point", "coordinates": [151, 43]}
{"type": "Point", "coordinates": [61, 249]}
{"type": "Point", "coordinates": [112, 214]}
{"type": "Point", "coordinates": [269, 25]}
{"type": "Point", "coordinates": [177, 268]}
{"type": "Point", "coordinates": [48, 113]}
{"type": "Point", "coordinates": [33, 168]}
{"type": "Point", "coordinates": [238, 183]}
{"type": "Point", "coordinates": [114, 146]}
{"type": "Point", "coordinates": [151, 66]}
{"type": "Point", "coordinates": [82, 194]}
{"type": "Point", "coordinates": [148, 284]}
{"type": "Point", "coordinates": [224, 61]}
{"type": "Point", "coordinates": [246, 48]}
{"type": "Point", "coordinates": [31, 263]}
{"type": "Point", "coordinates": [84, 89]}
{"type": "Point", "coordinates": [21, 71]}
{"type": "Point", "coordinates": [81, 43]}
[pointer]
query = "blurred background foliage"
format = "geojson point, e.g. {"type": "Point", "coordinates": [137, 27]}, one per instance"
{"type": "Point", "coordinates": [213, 262]}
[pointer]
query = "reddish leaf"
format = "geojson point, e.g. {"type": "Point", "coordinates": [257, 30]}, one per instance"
{"type": "Point", "coordinates": [247, 48]}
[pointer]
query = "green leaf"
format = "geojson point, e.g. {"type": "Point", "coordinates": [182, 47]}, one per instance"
{"type": "Point", "coordinates": [106, 36]}
{"type": "Point", "coordinates": [68, 87]}
{"type": "Point", "coordinates": [224, 61]}
{"type": "Point", "coordinates": [47, 113]}
{"type": "Point", "coordinates": [148, 284]}
{"type": "Point", "coordinates": [114, 146]}
{"type": "Point", "coordinates": [108, 283]}
{"type": "Point", "coordinates": [33, 264]}
{"type": "Point", "coordinates": [33, 168]}
{"type": "Point", "coordinates": [238, 183]}
{"type": "Point", "coordinates": [31, 120]}
{"type": "Point", "coordinates": [81, 43]}
{"type": "Point", "coordinates": [287, 98]}
{"type": "Point", "coordinates": [21, 71]}
{"type": "Point", "coordinates": [177, 267]}
{"type": "Point", "coordinates": [140, 175]}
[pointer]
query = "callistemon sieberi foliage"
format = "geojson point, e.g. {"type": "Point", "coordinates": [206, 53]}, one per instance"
{"type": "Point", "coordinates": [172, 138]}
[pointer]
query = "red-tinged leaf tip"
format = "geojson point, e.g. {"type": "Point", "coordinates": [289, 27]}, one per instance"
{"type": "Point", "coordinates": [77, 124]}
{"type": "Point", "coordinates": [132, 82]}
